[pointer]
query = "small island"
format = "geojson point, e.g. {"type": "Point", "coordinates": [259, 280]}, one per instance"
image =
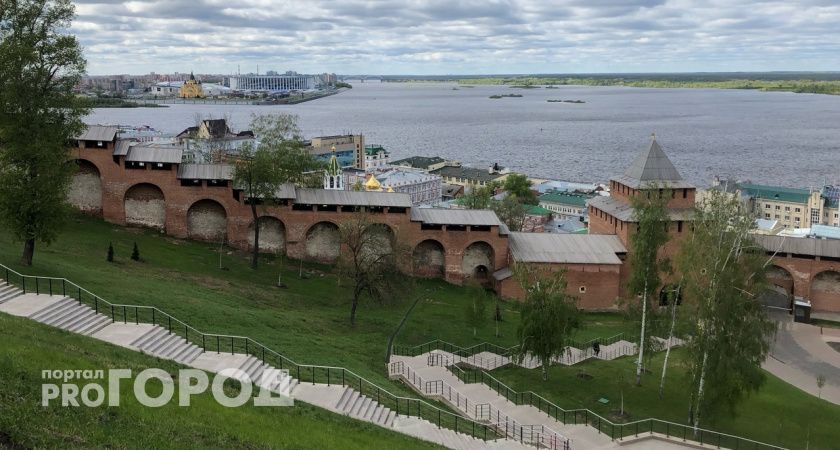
{"type": "Point", "coordinates": [564, 101]}
{"type": "Point", "coordinates": [505, 95]}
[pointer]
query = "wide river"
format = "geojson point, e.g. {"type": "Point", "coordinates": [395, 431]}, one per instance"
{"type": "Point", "coordinates": [767, 137]}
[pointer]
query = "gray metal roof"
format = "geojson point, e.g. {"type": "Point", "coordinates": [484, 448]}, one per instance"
{"type": "Point", "coordinates": [566, 248]}
{"type": "Point", "coordinates": [205, 171]}
{"type": "Point", "coordinates": [442, 216]}
{"type": "Point", "coordinates": [624, 211]}
{"type": "Point", "coordinates": [154, 153]}
{"type": "Point", "coordinates": [98, 133]}
{"type": "Point", "coordinates": [801, 246]}
{"type": "Point", "coordinates": [121, 149]}
{"type": "Point", "coordinates": [352, 198]}
{"type": "Point", "coordinates": [503, 274]}
{"type": "Point", "coordinates": [652, 167]}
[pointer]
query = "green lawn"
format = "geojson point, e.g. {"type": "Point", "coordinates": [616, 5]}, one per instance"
{"type": "Point", "coordinates": [308, 321]}
{"type": "Point", "coordinates": [778, 414]}
{"type": "Point", "coordinates": [28, 347]}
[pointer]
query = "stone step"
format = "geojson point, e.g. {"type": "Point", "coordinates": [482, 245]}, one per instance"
{"type": "Point", "coordinates": [13, 294]}
{"type": "Point", "coordinates": [369, 410]}
{"type": "Point", "coordinates": [362, 406]}
{"type": "Point", "coordinates": [50, 311]}
{"type": "Point", "coordinates": [84, 322]}
{"type": "Point", "coordinates": [190, 356]}
{"type": "Point", "coordinates": [344, 396]}
{"type": "Point", "coordinates": [389, 419]}
{"type": "Point", "coordinates": [176, 346]}
{"type": "Point", "coordinates": [185, 349]}
{"type": "Point", "coordinates": [100, 323]}
{"type": "Point", "coordinates": [77, 314]}
{"type": "Point", "coordinates": [153, 334]}
{"type": "Point", "coordinates": [159, 343]}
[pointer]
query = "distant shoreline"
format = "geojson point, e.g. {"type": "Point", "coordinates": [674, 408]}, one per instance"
{"type": "Point", "coordinates": [798, 86]}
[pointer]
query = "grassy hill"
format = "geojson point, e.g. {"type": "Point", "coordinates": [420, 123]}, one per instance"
{"type": "Point", "coordinates": [28, 347]}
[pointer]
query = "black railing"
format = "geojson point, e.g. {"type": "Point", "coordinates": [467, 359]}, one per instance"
{"type": "Point", "coordinates": [619, 431]}
{"type": "Point", "coordinates": [209, 342]}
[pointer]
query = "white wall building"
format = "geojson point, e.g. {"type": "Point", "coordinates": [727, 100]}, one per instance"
{"type": "Point", "coordinates": [272, 82]}
{"type": "Point", "coordinates": [424, 188]}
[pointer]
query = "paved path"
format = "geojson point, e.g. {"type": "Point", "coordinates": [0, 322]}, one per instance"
{"type": "Point", "coordinates": [800, 353]}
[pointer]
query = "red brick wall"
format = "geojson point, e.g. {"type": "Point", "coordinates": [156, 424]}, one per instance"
{"type": "Point", "coordinates": [116, 180]}
{"type": "Point", "coordinates": [601, 282]}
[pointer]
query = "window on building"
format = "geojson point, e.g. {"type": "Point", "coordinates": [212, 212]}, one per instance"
{"type": "Point", "coordinates": [787, 208]}
{"type": "Point", "coordinates": [798, 210]}
{"type": "Point", "coordinates": [767, 205]}
{"type": "Point", "coordinates": [787, 218]}
{"type": "Point", "coordinates": [767, 215]}
{"type": "Point", "coordinates": [679, 226]}
{"type": "Point", "coordinates": [582, 289]}
{"type": "Point", "coordinates": [778, 207]}
{"type": "Point", "coordinates": [776, 216]}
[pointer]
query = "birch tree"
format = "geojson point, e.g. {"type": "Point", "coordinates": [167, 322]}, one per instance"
{"type": "Point", "coordinates": [651, 216]}
{"type": "Point", "coordinates": [723, 275]}
{"type": "Point", "coordinates": [549, 316]}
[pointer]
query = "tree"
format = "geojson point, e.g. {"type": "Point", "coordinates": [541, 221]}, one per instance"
{"type": "Point", "coordinates": [476, 311]}
{"type": "Point", "coordinates": [370, 260]}
{"type": "Point", "coordinates": [723, 274]}
{"type": "Point", "coordinates": [110, 257]}
{"type": "Point", "coordinates": [673, 296]}
{"type": "Point", "coordinates": [39, 114]}
{"type": "Point", "coordinates": [135, 253]}
{"type": "Point", "coordinates": [549, 316]}
{"type": "Point", "coordinates": [261, 170]}
{"type": "Point", "coordinates": [511, 211]}
{"type": "Point", "coordinates": [651, 216]}
{"type": "Point", "coordinates": [518, 185]}
{"type": "Point", "coordinates": [480, 197]}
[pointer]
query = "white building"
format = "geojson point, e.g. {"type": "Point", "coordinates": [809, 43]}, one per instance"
{"type": "Point", "coordinates": [272, 82]}
{"type": "Point", "coordinates": [424, 188]}
{"type": "Point", "coordinates": [376, 158]}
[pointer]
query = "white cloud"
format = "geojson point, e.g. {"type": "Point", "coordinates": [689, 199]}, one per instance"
{"type": "Point", "coordinates": [468, 36]}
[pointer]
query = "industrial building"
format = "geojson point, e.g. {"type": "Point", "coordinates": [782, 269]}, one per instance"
{"type": "Point", "coordinates": [272, 82]}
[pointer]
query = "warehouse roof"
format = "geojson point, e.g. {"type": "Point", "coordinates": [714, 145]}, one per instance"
{"type": "Point", "coordinates": [205, 171]}
{"type": "Point", "coordinates": [801, 246]}
{"type": "Point", "coordinates": [121, 149]}
{"type": "Point", "coordinates": [352, 198]}
{"type": "Point", "coordinates": [419, 162]}
{"type": "Point", "coordinates": [154, 153]}
{"type": "Point", "coordinates": [565, 248]}
{"type": "Point", "coordinates": [442, 216]}
{"type": "Point", "coordinates": [98, 133]}
{"type": "Point", "coordinates": [624, 211]}
{"type": "Point", "coordinates": [468, 173]}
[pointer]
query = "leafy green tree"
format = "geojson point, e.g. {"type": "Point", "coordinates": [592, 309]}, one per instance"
{"type": "Point", "coordinates": [40, 64]}
{"type": "Point", "coordinates": [549, 316]}
{"type": "Point", "coordinates": [278, 158]}
{"type": "Point", "coordinates": [371, 264]}
{"type": "Point", "coordinates": [511, 212]}
{"type": "Point", "coordinates": [135, 253]}
{"type": "Point", "coordinates": [110, 257]}
{"type": "Point", "coordinates": [476, 309]}
{"type": "Point", "coordinates": [480, 197]}
{"type": "Point", "coordinates": [723, 275]}
{"type": "Point", "coordinates": [518, 185]}
{"type": "Point", "coordinates": [651, 216]}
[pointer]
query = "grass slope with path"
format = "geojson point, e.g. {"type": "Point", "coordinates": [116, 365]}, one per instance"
{"type": "Point", "coordinates": [778, 413]}
{"type": "Point", "coordinates": [307, 321]}
{"type": "Point", "coordinates": [29, 347]}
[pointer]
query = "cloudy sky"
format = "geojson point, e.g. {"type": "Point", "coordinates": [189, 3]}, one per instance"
{"type": "Point", "coordinates": [458, 36]}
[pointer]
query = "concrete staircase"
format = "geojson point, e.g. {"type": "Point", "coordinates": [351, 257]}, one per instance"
{"type": "Point", "coordinates": [163, 344]}
{"type": "Point", "coordinates": [68, 314]}
{"type": "Point", "coordinates": [8, 292]}
{"type": "Point", "coordinates": [362, 407]}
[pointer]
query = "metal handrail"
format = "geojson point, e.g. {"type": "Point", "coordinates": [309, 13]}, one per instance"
{"type": "Point", "coordinates": [407, 406]}
{"type": "Point", "coordinates": [462, 403]}
{"type": "Point", "coordinates": [591, 418]}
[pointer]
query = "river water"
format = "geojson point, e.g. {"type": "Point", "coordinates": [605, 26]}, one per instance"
{"type": "Point", "coordinates": [767, 137]}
